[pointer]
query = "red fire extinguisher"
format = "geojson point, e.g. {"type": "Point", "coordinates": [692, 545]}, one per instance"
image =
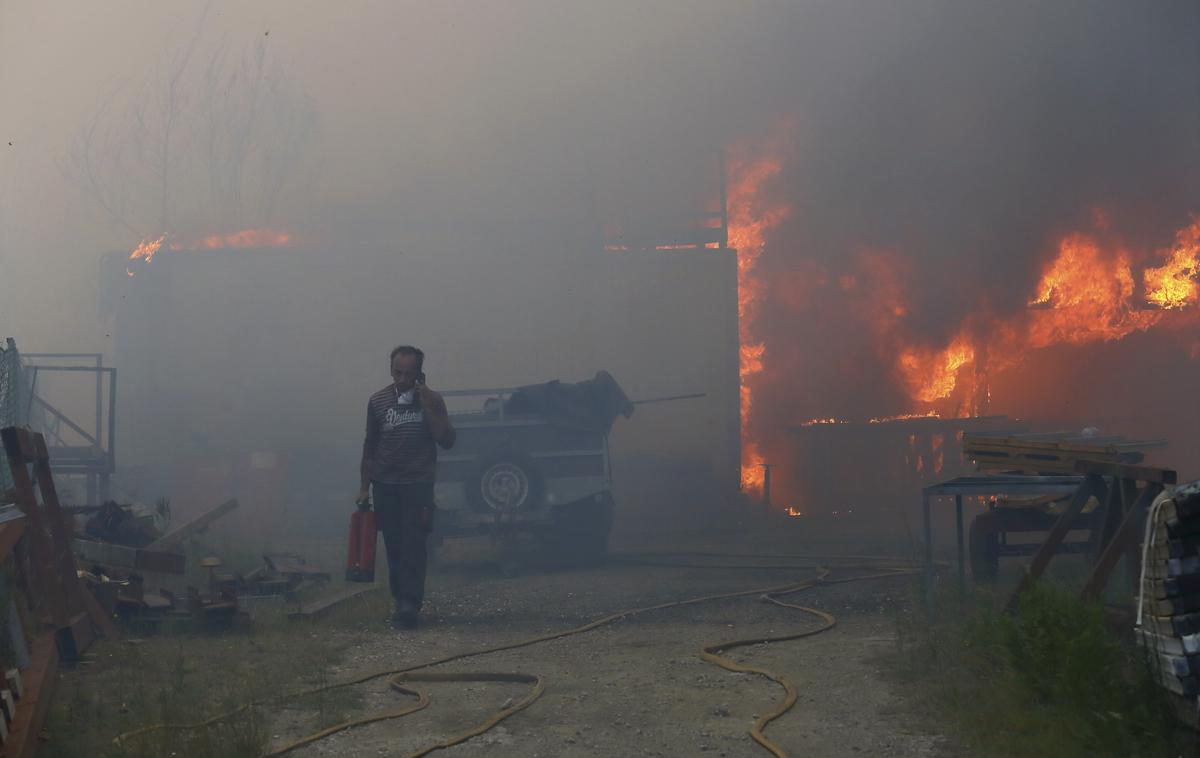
{"type": "Point", "coordinates": [360, 560]}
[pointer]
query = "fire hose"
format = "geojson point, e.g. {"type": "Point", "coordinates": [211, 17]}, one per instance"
{"type": "Point", "coordinates": [400, 679]}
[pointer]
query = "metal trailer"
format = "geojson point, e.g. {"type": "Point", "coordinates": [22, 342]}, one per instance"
{"type": "Point", "coordinates": [518, 472]}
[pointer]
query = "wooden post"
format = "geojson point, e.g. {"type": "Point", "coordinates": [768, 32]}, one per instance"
{"type": "Point", "coordinates": [766, 496]}
{"type": "Point", "coordinates": [1054, 538]}
{"type": "Point", "coordinates": [1122, 540]}
{"type": "Point", "coordinates": [958, 528]}
{"type": "Point", "coordinates": [928, 556]}
{"type": "Point", "coordinates": [50, 534]}
{"type": "Point", "coordinates": [18, 451]}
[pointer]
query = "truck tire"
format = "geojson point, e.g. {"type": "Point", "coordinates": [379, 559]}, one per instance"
{"type": "Point", "coordinates": [505, 479]}
{"type": "Point", "coordinates": [579, 536]}
{"type": "Point", "coordinates": [983, 539]}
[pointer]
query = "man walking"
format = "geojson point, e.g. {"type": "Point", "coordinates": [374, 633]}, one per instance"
{"type": "Point", "coordinates": [406, 422]}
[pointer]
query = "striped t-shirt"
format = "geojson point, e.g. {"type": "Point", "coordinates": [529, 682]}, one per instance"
{"type": "Point", "coordinates": [399, 446]}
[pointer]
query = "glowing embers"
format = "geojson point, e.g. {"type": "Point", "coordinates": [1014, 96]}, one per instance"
{"type": "Point", "coordinates": [244, 238]}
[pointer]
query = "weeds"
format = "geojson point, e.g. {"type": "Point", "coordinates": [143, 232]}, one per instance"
{"type": "Point", "coordinates": [1051, 679]}
{"type": "Point", "coordinates": [185, 679]}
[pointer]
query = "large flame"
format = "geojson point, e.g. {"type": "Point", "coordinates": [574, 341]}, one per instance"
{"type": "Point", "coordinates": [752, 215]}
{"type": "Point", "coordinates": [1093, 288]}
{"type": "Point", "coordinates": [1087, 293]}
{"type": "Point", "coordinates": [1173, 285]}
{"type": "Point", "coordinates": [933, 375]}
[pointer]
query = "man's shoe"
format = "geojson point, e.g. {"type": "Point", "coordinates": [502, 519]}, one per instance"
{"type": "Point", "coordinates": [404, 619]}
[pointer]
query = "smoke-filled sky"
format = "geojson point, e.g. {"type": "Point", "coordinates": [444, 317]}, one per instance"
{"type": "Point", "coordinates": [966, 130]}
{"type": "Point", "coordinates": [960, 138]}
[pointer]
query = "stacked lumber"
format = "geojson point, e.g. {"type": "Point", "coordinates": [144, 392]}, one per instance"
{"type": "Point", "coordinates": [1170, 588]}
{"type": "Point", "coordinates": [1048, 454]}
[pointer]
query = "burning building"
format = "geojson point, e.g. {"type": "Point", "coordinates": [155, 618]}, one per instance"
{"type": "Point", "coordinates": [245, 367]}
{"type": "Point", "coordinates": [1105, 335]}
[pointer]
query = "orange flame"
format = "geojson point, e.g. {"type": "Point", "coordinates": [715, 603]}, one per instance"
{"type": "Point", "coordinates": [1085, 296]}
{"type": "Point", "coordinates": [243, 238]}
{"type": "Point", "coordinates": [150, 246]}
{"type": "Point", "coordinates": [752, 214]}
{"type": "Point", "coordinates": [147, 248]}
{"type": "Point", "coordinates": [903, 417]}
{"type": "Point", "coordinates": [933, 374]}
{"type": "Point", "coordinates": [1173, 285]}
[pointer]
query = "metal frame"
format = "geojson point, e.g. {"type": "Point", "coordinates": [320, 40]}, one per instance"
{"type": "Point", "coordinates": [1117, 535]}
{"type": "Point", "coordinates": [96, 460]}
{"type": "Point", "coordinates": [983, 486]}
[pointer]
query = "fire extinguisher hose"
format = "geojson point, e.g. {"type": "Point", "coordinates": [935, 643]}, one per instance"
{"type": "Point", "coordinates": [400, 680]}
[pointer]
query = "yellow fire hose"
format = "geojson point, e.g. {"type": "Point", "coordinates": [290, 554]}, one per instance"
{"type": "Point", "coordinates": [400, 678]}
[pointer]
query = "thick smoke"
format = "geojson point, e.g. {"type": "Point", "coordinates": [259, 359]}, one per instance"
{"type": "Point", "coordinates": [938, 149]}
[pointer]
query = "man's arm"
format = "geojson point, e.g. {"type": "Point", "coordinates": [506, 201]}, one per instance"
{"type": "Point", "coordinates": [370, 440]}
{"type": "Point", "coordinates": [434, 406]}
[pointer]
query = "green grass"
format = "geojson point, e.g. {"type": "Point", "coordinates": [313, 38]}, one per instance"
{"type": "Point", "coordinates": [1052, 679]}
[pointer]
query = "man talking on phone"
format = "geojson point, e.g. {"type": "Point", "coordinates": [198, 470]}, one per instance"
{"type": "Point", "coordinates": [406, 423]}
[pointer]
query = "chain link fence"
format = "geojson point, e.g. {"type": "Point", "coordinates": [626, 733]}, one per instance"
{"type": "Point", "coordinates": [14, 400]}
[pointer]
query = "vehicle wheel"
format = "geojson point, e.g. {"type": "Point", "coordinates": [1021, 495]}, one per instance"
{"type": "Point", "coordinates": [984, 545]}
{"type": "Point", "coordinates": [580, 533]}
{"type": "Point", "coordinates": [505, 480]}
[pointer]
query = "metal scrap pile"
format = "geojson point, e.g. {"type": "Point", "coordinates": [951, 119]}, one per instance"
{"type": "Point", "coordinates": [120, 544]}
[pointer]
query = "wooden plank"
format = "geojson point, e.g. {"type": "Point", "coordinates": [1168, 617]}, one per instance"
{"type": "Point", "coordinates": [1149, 474]}
{"type": "Point", "coordinates": [1157, 568]}
{"type": "Point", "coordinates": [176, 536]}
{"type": "Point", "coordinates": [50, 589]}
{"type": "Point", "coordinates": [1126, 535]}
{"type": "Point", "coordinates": [1113, 510]}
{"type": "Point", "coordinates": [1168, 625]}
{"type": "Point", "coordinates": [1164, 626]}
{"type": "Point", "coordinates": [1054, 538]}
{"type": "Point", "coordinates": [1173, 586]}
{"type": "Point", "coordinates": [1188, 644]}
{"type": "Point", "coordinates": [319, 608]}
{"type": "Point", "coordinates": [991, 453]}
{"type": "Point", "coordinates": [17, 444]}
{"type": "Point", "coordinates": [974, 442]}
{"type": "Point", "coordinates": [60, 537]}
{"type": "Point", "coordinates": [38, 683]}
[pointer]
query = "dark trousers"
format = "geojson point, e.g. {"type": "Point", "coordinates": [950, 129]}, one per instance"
{"type": "Point", "coordinates": [404, 514]}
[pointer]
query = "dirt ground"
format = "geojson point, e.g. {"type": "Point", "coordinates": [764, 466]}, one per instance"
{"type": "Point", "coordinates": [635, 687]}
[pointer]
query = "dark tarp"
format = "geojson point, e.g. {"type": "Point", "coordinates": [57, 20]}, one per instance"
{"type": "Point", "coordinates": [592, 404]}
